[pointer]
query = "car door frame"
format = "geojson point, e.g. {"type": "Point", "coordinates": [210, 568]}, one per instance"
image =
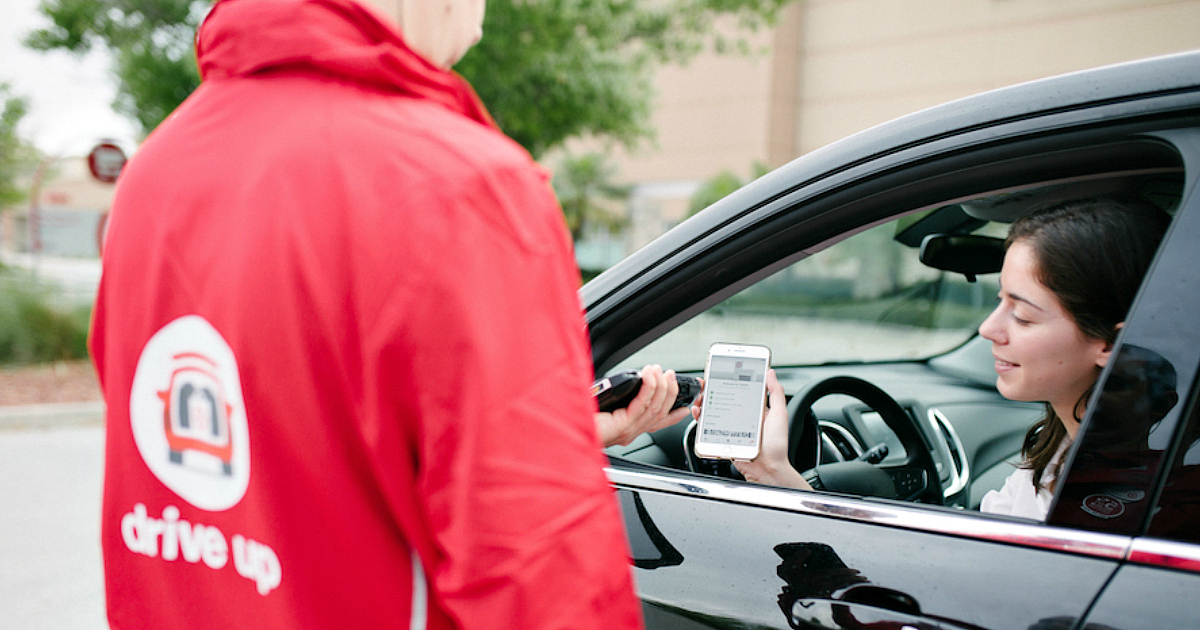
{"type": "Point", "coordinates": [1165, 321]}
{"type": "Point", "coordinates": [734, 246]}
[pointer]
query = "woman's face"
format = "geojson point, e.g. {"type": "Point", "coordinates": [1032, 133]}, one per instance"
{"type": "Point", "coordinates": [1041, 354]}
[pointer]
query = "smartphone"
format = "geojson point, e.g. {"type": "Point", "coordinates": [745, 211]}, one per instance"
{"type": "Point", "coordinates": [735, 397]}
{"type": "Point", "coordinates": [617, 391]}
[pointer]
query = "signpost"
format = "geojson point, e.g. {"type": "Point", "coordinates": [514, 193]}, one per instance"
{"type": "Point", "coordinates": [106, 161]}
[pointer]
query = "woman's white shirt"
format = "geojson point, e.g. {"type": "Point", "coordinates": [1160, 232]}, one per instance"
{"type": "Point", "coordinates": [1018, 497]}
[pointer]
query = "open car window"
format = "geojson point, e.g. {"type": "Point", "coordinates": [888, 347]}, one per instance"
{"type": "Point", "coordinates": [867, 298]}
{"type": "Point", "coordinates": [896, 304]}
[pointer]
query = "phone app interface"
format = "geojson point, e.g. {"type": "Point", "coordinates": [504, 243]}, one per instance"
{"type": "Point", "coordinates": [733, 405]}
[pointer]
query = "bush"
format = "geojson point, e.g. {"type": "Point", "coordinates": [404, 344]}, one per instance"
{"type": "Point", "coordinates": [32, 329]}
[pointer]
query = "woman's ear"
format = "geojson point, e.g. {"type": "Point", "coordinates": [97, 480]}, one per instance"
{"type": "Point", "coordinates": [1106, 350]}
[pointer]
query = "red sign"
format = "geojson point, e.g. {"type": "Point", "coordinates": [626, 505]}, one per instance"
{"type": "Point", "coordinates": [106, 161]}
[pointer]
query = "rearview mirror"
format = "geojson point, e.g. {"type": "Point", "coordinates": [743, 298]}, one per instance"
{"type": "Point", "coordinates": [968, 254]}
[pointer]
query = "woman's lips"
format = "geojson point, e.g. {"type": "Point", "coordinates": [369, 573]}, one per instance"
{"type": "Point", "coordinates": [1003, 366]}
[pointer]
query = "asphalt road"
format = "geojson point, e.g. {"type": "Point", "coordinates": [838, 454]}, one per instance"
{"type": "Point", "coordinates": [50, 483]}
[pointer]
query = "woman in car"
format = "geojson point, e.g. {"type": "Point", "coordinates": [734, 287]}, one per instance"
{"type": "Point", "coordinates": [1070, 274]}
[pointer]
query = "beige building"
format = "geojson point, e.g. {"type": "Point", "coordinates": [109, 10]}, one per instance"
{"type": "Point", "coordinates": [66, 210]}
{"type": "Point", "coordinates": [67, 205]}
{"type": "Point", "coordinates": [835, 67]}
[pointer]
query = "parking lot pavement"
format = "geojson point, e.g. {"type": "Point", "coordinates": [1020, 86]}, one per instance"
{"type": "Point", "coordinates": [50, 486]}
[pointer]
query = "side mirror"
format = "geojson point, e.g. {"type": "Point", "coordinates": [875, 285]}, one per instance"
{"type": "Point", "coordinates": [968, 254]}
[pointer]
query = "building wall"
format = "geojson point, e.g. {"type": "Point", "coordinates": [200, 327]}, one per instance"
{"type": "Point", "coordinates": [868, 61]}
{"type": "Point", "coordinates": [70, 202]}
{"type": "Point", "coordinates": [836, 67]}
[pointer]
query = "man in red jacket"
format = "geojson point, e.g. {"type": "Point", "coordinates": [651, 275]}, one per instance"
{"type": "Point", "coordinates": [345, 369]}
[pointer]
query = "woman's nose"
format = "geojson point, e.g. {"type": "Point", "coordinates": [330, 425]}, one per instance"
{"type": "Point", "coordinates": [990, 328]}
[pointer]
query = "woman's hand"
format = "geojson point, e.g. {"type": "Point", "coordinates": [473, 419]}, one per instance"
{"type": "Point", "coordinates": [649, 411]}
{"type": "Point", "coordinates": [771, 467]}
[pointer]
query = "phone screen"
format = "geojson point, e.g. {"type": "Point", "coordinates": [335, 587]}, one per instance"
{"type": "Point", "coordinates": [733, 406]}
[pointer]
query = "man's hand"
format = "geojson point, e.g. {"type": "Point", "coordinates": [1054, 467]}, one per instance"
{"type": "Point", "coordinates": [649, 411]}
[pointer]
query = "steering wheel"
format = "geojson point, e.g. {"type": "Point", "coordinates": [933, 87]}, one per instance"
{"type": "Point", "coordinates": [914, 479]}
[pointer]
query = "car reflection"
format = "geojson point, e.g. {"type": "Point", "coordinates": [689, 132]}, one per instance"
{"type": "Point", "coordinates": [650, 548]}
{"type": "Point", "coordinates": [822, 593]}
{"type": "Point", "coordinates": [1120, 457]}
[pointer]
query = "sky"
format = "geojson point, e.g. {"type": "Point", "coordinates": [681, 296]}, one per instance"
{"type": "Point", "coordinates": [70, 98]}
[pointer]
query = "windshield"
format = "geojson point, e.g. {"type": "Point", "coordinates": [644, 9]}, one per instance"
{"type": "Point", "coordinates": [866, 298]}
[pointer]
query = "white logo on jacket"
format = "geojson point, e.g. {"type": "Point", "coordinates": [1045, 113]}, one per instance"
{"type": "Point", "coordinates": [188, 417]}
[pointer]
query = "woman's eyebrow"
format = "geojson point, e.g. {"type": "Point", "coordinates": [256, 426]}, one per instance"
{"type": "Point", "coordinates": [1019, 298]}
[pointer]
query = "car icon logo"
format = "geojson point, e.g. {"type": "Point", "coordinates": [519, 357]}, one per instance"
{"type": "Point", "coordinates": [196, 417]}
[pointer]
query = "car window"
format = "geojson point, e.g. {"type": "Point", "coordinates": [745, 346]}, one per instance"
{"type": "Point", "coordinates": [1179, 505]}
{"type": "Point", "coordinates": [866, 298]}
{"type": "Point", "coordinates": [1125, 444]}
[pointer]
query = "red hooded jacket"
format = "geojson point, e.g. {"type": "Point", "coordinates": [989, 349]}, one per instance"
{"type": "Point", "coordinates": [343, 358]}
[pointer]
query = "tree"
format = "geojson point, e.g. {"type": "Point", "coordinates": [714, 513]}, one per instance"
{"type": "Point", "coordinates": [556, 69]}
{"type": "Point", "coordinates": [580, 184]}
{"type": "Point", "coordinates": [151, 42]}
{"type": "Point", "coordinates": [548, 70]}
{"type": "Point", "coordinates": [14, 153]}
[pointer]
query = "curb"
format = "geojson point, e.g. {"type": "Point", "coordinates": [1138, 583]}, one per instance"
{"type": "Point", "coordinates": [52, 415]}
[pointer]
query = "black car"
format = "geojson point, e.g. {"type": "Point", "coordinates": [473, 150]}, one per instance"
{"type": "Point", "coordinates": [866, 267]}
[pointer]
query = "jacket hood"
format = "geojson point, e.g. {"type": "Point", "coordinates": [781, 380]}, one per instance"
{"type": "Point", "coordinates": [340, 38]}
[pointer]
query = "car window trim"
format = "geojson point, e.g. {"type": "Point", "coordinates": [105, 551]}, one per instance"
{"type": "Point", "coordinates": [972, 525]}
{"type": "Point", "coordinates": [744, 246]}
{"type": "Point", "coordinates": [1168, 554]}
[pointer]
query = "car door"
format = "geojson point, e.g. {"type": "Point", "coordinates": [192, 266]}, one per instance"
{"type": "Point", "coordinates": [768, 558]}
{"type": "Point", "coordinates": [1149, 399]}
{"type": "Point", "coordinates": [716, 553]}
{"type": "Point", "coordinates": [1156, 585]}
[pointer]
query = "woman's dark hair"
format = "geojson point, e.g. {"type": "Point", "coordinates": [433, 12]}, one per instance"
{"type": "Point", "coordinates": [1092, 254]}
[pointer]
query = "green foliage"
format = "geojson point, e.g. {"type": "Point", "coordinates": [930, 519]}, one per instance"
{"type": "Point", "coordinates": [14, 153]}
{"type": "Point", "coordinates": [33, 331]}
{"type": "Point", "coordinates": [558, 69]}
{"type": "Point", "coordinates": [151, 42]}
{"type": "Point", "coordinates": [548, 70]}
{"type": "Point", "coordinates": [153, 85]}
{"type": "Point", "coordinates": [551, 70]}
{"type": "Point", "coordinates": [581, 183]}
